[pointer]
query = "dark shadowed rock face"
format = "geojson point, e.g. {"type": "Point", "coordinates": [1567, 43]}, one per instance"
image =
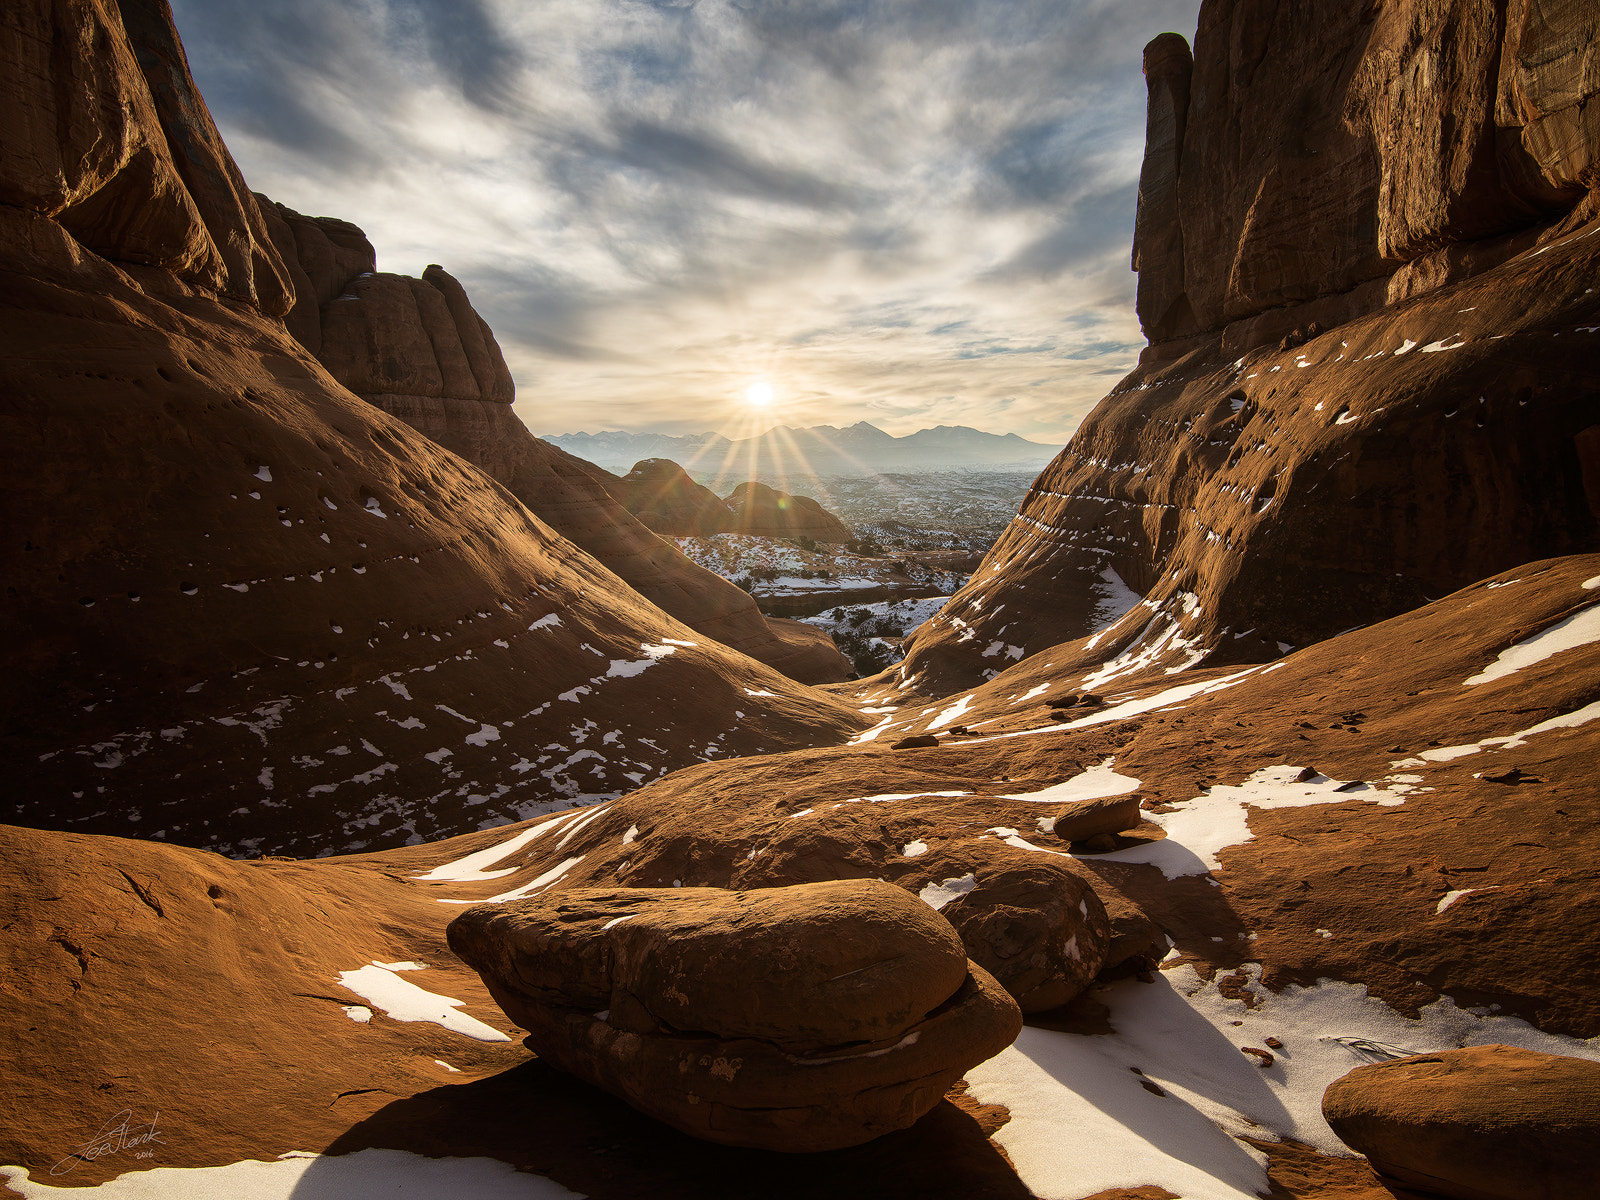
{"type": "Point", "coordinates": [1342, 155]}
{"type": "Point", "coordinates": [766, 512]}
{"type": "Point", "coordinates": [107, 136]}
{"type": "Point", "coordinates": [1480, 1123]}
{"type": "Point", "coordinates": [802, 1018]}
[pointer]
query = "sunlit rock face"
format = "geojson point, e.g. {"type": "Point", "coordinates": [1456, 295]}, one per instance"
{"type": "Point", "coordinates": [246, 608]}
{"type": "Point", "coordinates": [1371, 371]}
{"type": "Point", "coordinates": [418, 350]}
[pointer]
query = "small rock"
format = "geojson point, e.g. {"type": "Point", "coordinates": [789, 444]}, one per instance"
{"type": "Point", "coordinates": [1274, 1044]}
{"type": "Point", "coordinates": [915, 742]}
{"type": "Point", "coordinates": [1100, 843]}
{"type": "Point", "coordinates": [1353, 785]}
{"type": "Point", "coordinates": [1089, 699]}
{"type": "Point", "coordinates": [1514, 776]}
{"type": "Point", "coordinates": [1106, 814]}
{"type": "Point", "coordinates": [1307, 774]}
{"type": "Point", "coordinates": [1264, 1058]}
{"type": "Point", "coordinates": [959, 731]}
{"type": "Point", "coordinates": [1482, 1123]}
{"type": "Point", "coordinates": [1038, 928]}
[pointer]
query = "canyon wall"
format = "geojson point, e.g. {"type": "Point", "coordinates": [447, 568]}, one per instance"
{"type": "Point", "coordinates": [1366, 252]}
{"type": "Point", "coordinates": [245, 608]}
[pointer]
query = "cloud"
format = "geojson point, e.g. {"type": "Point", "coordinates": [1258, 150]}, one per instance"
{"type": "Point", "coordinates": [906, 211]}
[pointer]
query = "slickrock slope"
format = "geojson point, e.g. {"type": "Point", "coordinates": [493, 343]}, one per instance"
{"type": "Point", "coordinates": [245, 608]}
{"type": "Point", "coordinates": [1460, 863]}
{"type": "Point", "coordinates": [210, 997]}
{"type": "Point", "coordinates": [1440, 835]}
{"type": "Point", "coordinates": [417, 349]}
{"type": "Point", "coordinates": [1353, 328]}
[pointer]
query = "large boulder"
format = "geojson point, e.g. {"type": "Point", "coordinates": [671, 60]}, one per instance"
{"type": "Point", "coordinates": [1481, 1123]}
{"type": "Point", "coordinates": [802, 1018]}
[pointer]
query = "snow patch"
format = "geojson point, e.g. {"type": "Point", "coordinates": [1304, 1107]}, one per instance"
{"type": "Point", "coordinates": [403, 1000]}
{"type": "Point", "coordinates": [1183, 1036]}
{"type": "Point", "coordinates": [937, 895]}
{"type": "Point", "coordinates": [1579, 629]}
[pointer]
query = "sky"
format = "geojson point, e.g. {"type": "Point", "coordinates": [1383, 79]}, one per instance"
{"type": "Point", "coordinates": [692, 215]}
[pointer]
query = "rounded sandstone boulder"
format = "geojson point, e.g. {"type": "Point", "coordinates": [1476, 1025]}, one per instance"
{"type": "Point", "coordinates": [1035, 925]}
{"type": "Point", "coordinates": [1481, 1123]}
{"type": "Point", "coordinates": [1103, 815]}
{"type": "Point", "coordinates": [799, 1018]}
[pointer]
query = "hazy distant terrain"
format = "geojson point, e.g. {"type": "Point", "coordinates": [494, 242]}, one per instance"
{"type": "Point", "coordinates": [859, 449]}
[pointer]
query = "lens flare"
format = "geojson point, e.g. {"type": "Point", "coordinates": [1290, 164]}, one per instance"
{"type": "Point", "coordinates": [758, 394]}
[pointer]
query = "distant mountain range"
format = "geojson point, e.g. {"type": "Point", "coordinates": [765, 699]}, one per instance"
{"type": "Point", "coordinates": [860, 449]}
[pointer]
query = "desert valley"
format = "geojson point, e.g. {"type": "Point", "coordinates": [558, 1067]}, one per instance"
{"type": "Point", "coordinates": [353, 734]}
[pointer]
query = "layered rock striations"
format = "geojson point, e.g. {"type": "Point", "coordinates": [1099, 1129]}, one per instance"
{"type": "Point", "coordinates": [245, 608]}
{"type": "Point", "coordinates": [1373, 329]}
{"type": "Point", "coordinates": [417, 349]}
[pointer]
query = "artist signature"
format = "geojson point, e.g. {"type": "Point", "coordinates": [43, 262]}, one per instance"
{"type": "Point", "coordinates": [116, 1135]}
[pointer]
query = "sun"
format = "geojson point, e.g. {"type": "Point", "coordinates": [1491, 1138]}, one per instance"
{"type": "Point", "coordinates": [758, 394]}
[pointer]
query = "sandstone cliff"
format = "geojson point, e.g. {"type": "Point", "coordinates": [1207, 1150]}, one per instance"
{"type": "Point", "coordinates": [417, 349]}
{"type": "Point", "coordinates": [1373, 332]}
{"type": "Point", "coordinates": [245, 608]}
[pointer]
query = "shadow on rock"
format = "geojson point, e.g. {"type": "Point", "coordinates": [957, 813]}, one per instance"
{"type": "Point", "coordinates": [539, 1119]}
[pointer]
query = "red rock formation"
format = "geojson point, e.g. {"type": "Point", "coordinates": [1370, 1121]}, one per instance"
{"type": "Point", "coordinates": [207, 995]}
{"type": "Point", "coordinates": [1386, 388]}
{"type": "Point", "coordinates": [117, 149]}
{"type": "Point", "coordinates": [764, 511]}
{"type": "Point", "coordinates": [660, 493]}
{"type": "Point", "coordinates": [245, 608]}
{"type": "Point", "coordinates": [1431, 799]}
{"type": "Point", "coordinates": [1312, 155]}
{"type": "Point", "coordinates": [417, 349]}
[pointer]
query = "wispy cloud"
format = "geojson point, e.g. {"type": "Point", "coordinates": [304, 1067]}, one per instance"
{"type": "Point", "coordinates": [912, 212]}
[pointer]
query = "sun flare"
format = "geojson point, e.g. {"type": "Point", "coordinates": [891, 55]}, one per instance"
{"type": "Point", "coordinates": [758, 394]}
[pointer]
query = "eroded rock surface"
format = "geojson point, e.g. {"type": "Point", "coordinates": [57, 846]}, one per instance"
{"type": "Point", "coordinates": [801, 1019]}
{"type": "Point", "coordinates": [1366, 240]}
{"type": "Point", "coordinates": [1480, 1123]}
